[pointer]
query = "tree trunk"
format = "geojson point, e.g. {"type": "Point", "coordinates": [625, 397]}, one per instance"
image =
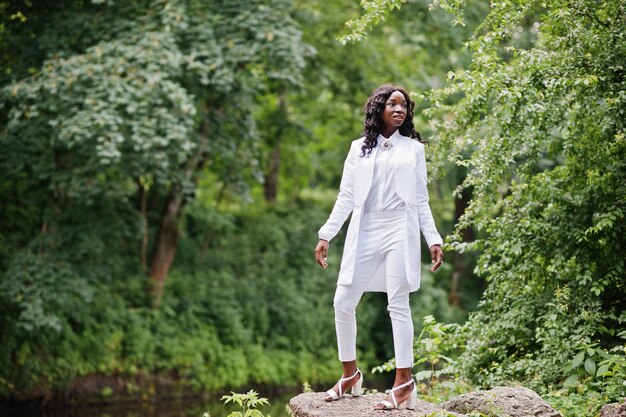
{"type": "Point", "coordinates": [143, 202]}
{"type": "Point", "coordinates": [165, 249]}
{"type": "Point", "coordinates": [459, 267]}
{"type": "Point", "coordinates": [270, 188]}
{"type": "Point", "coordinates": [167, 239]}
{"type": "Point", "coordinates": [457, 270]}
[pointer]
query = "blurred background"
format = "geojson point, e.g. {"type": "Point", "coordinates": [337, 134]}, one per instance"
{"type": "Point", "coordinates": [165, 167]}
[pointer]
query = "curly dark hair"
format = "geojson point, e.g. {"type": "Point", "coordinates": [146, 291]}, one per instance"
{"type": "Point", "coordinates": [373, 123]}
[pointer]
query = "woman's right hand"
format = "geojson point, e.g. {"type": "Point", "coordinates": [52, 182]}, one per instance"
{"type": "Point", "coordinates": [321, 253]}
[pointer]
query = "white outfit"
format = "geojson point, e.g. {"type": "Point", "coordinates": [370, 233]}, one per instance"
{"type": "Point", "coordinates": [386, 193]}
{"type": "Point", "coordinates": [382, 195]}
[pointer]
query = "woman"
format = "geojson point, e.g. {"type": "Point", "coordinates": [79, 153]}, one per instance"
{"type": "Point", "coordinates": [384, 187]}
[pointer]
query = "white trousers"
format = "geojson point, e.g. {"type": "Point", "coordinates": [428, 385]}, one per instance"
{"type": "Point", "coordinates": [380, 240]}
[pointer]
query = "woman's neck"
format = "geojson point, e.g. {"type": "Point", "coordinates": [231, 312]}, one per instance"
{"type": "Point", "coordinates": [388, 131]}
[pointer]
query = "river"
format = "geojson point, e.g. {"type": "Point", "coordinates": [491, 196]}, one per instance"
{"type": "Point", "coordinates": [186, 407]}
{"type": "Point", "coordinates": [192, 407]}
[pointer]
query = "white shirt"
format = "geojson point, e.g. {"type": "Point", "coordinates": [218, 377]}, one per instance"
{"type": "Point", "coordinates": [382, 195]}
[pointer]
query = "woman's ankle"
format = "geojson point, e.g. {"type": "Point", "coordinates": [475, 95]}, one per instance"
{"type": "Point", "coordinates": [403, 375]}
{"type": "Point", "coordinates": [349, 368]}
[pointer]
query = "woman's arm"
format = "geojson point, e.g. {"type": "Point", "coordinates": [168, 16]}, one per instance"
{"type": "Point", "coordinates": [345, 199]}
{"type": "Point", "coordinates": [427, 223]}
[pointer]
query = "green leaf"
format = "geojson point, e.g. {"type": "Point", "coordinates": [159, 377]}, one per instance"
{"type": "Point", "coordinates": [603, 370]}
{"type": "Point", "coordinates": [571, 381]}
{"type": "Point", "coordinates": [423, 375]}
{"type": "Point", "coordinates": [590, 366]}
{"type": "Point", "coordinates": [578, 359]}
{"type": "Point", "coordinates": [602, 352]}
{"type": "Point", "coordinates": [448, 384]}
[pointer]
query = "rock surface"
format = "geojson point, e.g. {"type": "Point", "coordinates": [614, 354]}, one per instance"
{"type": "Point", "coordinates": [312, 404]}
{"type": "Point", "coordinates": [497, 402]}
{"type": "Point", "coordinates": [614, 410]}
{"type": "Point", "coordinates": [502, 401]}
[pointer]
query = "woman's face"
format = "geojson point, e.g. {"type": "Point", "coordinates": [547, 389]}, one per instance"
{"type": "Point", "coordinates": [395, 110]}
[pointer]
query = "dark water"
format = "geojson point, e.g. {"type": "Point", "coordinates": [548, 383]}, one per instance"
{"type": "Point", "coordinates": [189, 407]}
{"type": "Point", "coordinates": [193, 407]}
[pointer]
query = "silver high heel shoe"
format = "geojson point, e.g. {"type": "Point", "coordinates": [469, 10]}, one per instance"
{"type": "Point", "coordinates": [356, 388]}
{"type": "Point", "coordinates": [410, 402]}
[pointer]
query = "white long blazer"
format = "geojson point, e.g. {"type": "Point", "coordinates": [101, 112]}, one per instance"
{"type": "Point", "coordinates": [410, 185]}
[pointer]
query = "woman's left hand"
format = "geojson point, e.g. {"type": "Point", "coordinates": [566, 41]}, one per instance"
{"type": "Point", "coordinates": [321, 253]}
{"type": "Point", "coordinates": [436, 255]}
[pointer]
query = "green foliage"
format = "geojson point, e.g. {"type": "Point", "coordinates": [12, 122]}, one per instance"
{"type": "Point", "coordinates": [578, 403]}
{"type": "Point", "coordinates": [106, 123]}
{"type": "Point", "coordinates": [125, 115]}
{"type": "Point", "coordinates": [375, 13]}
{"type": "Point", "coordinates": [435, 348]}
{"type": "Point", "coordinates": [545, 127]}
{"type": "Point", "coordinates": [595, 378]}
{"type": "Point", "coordinates": [102, 123]}
{"type": "Point", "coordinates": [435, 339]}
{"type": "Point", "coordinates": [537, 119]}
{"type": "Point", "coordinates": [211, 331]}
{"type": "Point", "coordinates": [249, 402]}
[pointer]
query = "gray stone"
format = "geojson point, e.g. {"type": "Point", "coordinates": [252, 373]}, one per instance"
{"type": "Point", "coordinates": [497, 402]}
{"type": "Point", "coordinates": [503, 402]}
{"type": "Point", "coordinates": [312, 404]}
{"type": "Point", "coordinates": [614, 410]}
